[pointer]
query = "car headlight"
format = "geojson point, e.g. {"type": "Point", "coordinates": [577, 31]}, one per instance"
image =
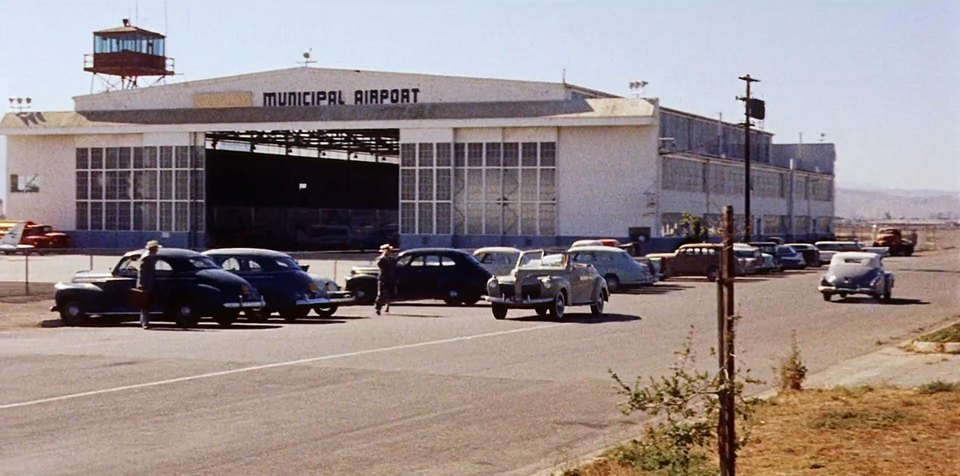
{"type": "Point", "coordinates": [314, 288]}
{"type": "Point", "coordinates": [547, 283]}
{"type": "Point", "coordinates": [244, 289]}
{"type": "Point", "coordinates": [876, 281]}
{"type": "Point", "coordinates": [331, 286]}
{"type": "Point", "coordinates": [492, 287]}
{"type": "Point", "coordinates": [830, 279]}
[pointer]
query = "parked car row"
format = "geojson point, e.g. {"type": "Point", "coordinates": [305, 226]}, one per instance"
{"type": "Point", "coordinates": [220, 284]}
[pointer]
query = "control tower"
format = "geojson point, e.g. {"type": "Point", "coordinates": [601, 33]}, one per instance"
{"type": "Point", "coordinates": [128, 52]}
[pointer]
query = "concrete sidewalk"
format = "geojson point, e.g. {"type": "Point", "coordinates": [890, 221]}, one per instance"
{"type": "Point", "coordinates": [889, 366]}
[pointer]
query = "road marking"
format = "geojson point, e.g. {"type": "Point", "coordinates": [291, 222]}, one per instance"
{"type": "Point", "coordinates": [270, 366]}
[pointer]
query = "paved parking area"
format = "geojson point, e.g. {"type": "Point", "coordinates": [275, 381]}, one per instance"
{"type": "Point", "coordinates": [428, 389]}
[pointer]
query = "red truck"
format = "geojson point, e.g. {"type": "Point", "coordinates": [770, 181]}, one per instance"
{"type": "Point", "coordinates": [893, 239]}
{"type": "Point", "coordinates": [39, 235]}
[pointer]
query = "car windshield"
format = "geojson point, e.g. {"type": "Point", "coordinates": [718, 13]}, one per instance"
{"type": "Point", "coordinates": [537, 259]}
{"type": "Point", "coordinates": [202, 262]}
{"type": "Point", "coordinates": [785, 251]}
{"type": "Point", "coordinates": [744, 253]}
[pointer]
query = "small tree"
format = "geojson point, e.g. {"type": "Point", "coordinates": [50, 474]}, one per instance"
{"type": "Point", "coordinates": [686, 408]}
{"type": "Point", "coordinates": [792, 372]}
{"type": "Point", "coordinates": [693, 229]}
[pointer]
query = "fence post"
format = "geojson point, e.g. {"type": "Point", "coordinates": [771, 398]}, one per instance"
{"type": "Point", "coordinates": [335, 262]}
{"type": "Point", "coordinates": [91, 261]}
{"type": "Point", "coordinates": [26, 272]}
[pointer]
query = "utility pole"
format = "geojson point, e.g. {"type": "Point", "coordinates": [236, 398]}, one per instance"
{"type": "Point", "coordinates": [752, 108]}
{"type": "Point", "coordinates": [726, 424]}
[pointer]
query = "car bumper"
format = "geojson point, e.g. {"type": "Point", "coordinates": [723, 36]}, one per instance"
{"type": "Point", "coordinates": [245, 304]}
{"type": "Point", "coordinates": [518, 302]}
{"type": "Point", "coordinates": [836, 290]}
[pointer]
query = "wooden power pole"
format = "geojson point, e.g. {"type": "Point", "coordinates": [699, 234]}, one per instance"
{"type": "Point", "coordinates": [726, 425]}
{"type": "Point", "coordinates": [752, 108]}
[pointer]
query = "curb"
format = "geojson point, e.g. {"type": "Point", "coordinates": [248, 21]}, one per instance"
{"type": "Point", "coordinates": [935, 347]}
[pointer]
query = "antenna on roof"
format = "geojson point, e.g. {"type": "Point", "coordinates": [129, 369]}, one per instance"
{"type": "Point", "coordinates": [306, 59]}
{"type": "Point", "coordinates": [563, 76]}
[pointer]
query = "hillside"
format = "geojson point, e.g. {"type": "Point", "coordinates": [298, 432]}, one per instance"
{"type": "Point", "coordinates": [910, 204]}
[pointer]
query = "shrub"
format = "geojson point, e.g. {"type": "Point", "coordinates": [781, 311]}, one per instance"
{"type": "Point", "coordinates": [792, 370]}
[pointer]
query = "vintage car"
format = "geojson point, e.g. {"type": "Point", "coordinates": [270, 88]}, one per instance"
{"type": "Point", "coordinates": [615, 265]}
{"type": "Point", "coordinates": [770, 248]}
{"type": "Point", "coordinates": [811, 255]}
{"type": "Point", "coordinates": [547, 283]}
{"type": "Point", "coordinates": [856, 273]}
{"type": "Point", "coordinates": [790, 258]}
{"type": "Point", "coordinates": [695, 259]}
{"type": "Point", "coordinates": [285, 286]}
{"type": "Point", "coordinates": [452, 275]}
{"type": "Point", "coordinates": [749, 259]}
{"type": "Point", "coordinates": [498, 260]}
{"type": "Point", "coordinates": [189, 286]}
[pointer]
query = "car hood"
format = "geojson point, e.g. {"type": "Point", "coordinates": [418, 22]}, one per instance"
{"type": "Point", "coordinates": [222, 278]}
{"type": "Point", "coordinates": [90, 276]}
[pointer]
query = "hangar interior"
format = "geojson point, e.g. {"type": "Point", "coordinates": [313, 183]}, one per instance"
{"type": "Point", "coordinates": [334, 189]}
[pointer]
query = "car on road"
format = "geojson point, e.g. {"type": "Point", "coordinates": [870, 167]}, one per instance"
{"type": "Point", "coordinates": [749, 258]}
{"type": "Point", "coordinates": [189, 286]}
{"type": "Point", "coordinates": [811, 255]}
{"type": "Point", "coordinates": [285, 286]}
{"type": "Point", "coordinates": [695, 259]}
{"type": "Point", "coordinates": [547, 283]}
{"type": "Point", "coordinates": [499, 260]}
{"type": "Point", "coordinates": [615, 265]}
{"type": "Point", "coordinates": [449, 274]}
{"type": "Point", "coordinates": [856, 273]}
{"type": "Point", "coordinates": [790, 258]}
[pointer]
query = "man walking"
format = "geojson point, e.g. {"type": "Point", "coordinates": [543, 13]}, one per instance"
{"type": "Point", "coordinates": [145, 281]}
{"type": "Point", "coordinates": [386, 284]}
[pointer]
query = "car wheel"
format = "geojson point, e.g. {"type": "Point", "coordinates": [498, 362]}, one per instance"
{"type": "Point", "coordinates": [364, 296]}
{"type": "Point", "coordinates": [325, 311]}
{"type": "Point", "coordinates": [541, 311]}
{"type": "Point", "coordinates": [451, 301]}
{"type": "Point", "coordinates": [712, 274]}
{"type": "Point", "coordinates": [470, 300]}
{"type": "Point", "coordinates": [294, 313]}
{"type": "Point", "coordinates": [843, 295]}
{"type": "Point", "coordinates": [558, 307]}
{"type": "Point", "coordinates": [225, 318]}
{"type": "Point", "coordinates": [597, 307]}
{"type": "Point", "coordinates": [613, 282]}
{"type": "Point", "coordinates": [827, 296]}
{"type": "Point", "coordinates": [184, 314]}
{"type": "Point", "coordinates": [71, 313]}
{"type": "Point", "coordinates": [499, 311]}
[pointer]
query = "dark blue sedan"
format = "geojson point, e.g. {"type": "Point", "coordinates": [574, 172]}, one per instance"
{"type": "Point", "coordinates": [284, 284]}
{"type": "Point", "coordinates": [189, 286]}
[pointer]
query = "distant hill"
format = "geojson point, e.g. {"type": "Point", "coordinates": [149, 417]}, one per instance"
{"type": "Point", "coordinates": [910, 204]}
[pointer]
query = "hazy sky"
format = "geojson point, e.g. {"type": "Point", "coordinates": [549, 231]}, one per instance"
{"type": "Point", "coordinates": [880, 78]}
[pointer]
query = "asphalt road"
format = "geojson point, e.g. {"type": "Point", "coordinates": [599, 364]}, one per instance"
{"type": "Point", "coordinates": [427, 389]}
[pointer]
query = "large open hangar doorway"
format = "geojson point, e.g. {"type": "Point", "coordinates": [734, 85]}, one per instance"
{"type": "Point", "coordinates": [302, 190]}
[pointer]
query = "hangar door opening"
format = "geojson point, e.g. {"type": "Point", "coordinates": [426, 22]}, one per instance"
{"type": "Point", "coordinates": [302, 190]}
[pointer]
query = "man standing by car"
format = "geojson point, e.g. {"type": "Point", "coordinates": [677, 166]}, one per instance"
{"type": "Point", "coordinates": [146, 276]}
{"type": "Point", "coordinates": [386, 279]}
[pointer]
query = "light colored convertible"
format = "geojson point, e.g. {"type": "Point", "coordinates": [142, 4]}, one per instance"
{"type": "Point", "coordinates": [547, 283]}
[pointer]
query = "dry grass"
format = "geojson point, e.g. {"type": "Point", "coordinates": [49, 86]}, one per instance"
{"type": "Point", "coordinates": [862, 431]}
{"type": "Point", "coordinates": [20, 310]}
{"type": "Point", "coordinates": [947, 334]}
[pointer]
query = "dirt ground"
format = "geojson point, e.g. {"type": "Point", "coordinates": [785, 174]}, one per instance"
{"type": "Point", "coordinates": [851, 432]}
{"type": "Point", "coordinates": [19, 310]}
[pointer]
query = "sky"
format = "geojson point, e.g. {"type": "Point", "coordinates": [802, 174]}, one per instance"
{"type": "Point", "coordinates": [879, 78]}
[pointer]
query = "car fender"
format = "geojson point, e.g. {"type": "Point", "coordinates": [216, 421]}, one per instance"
{"type": "Point", "coordinates": [600, 289]}
{"type": "Point", "coordinates": [84, 292]}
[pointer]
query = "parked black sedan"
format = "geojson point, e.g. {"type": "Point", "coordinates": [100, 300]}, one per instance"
{"type": "Point", "coordinates": [790, 258]}
{"type": "Point", "coordinates": [452, 275]}
{"type": "Point", "coordinates": [285, 285]}
{"type": "Point", "coordinates": [189, 286]}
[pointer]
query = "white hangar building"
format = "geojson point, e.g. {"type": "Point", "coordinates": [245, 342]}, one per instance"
{"type": "Point", "coordinates": [312, 158]}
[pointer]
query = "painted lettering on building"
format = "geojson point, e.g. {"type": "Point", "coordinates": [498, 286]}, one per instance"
{"type": "Point", "coordinates": [337, 97]}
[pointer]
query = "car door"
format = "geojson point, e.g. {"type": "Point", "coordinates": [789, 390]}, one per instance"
{"type": "Point", "coordinates": [265, 282]}
{"type": "Point", "coordinates": [166, 284]}
{"type": "Point", "coordinates": [408, 277]}
{"type": "Point", "coordinates": [116, 289]}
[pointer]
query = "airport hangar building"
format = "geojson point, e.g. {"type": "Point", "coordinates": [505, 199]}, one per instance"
{"type": "Point", "coordinates": [312, 158]}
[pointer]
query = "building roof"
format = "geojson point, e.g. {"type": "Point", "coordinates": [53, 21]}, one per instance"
{"type": "Point", "coordinates": [125, 30]}
{"type": "Point", "coordinates": [638, 112]}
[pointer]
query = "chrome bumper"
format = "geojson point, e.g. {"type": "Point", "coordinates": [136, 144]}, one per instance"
{"type": "Point", "coordinates": [518, 302]}
{"type": "Point", "coordinates": [836, 290]}
{"type": "Point", "coordinates": [245, 304]}
{"type": "Point", "coordinates": [312, 302]}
